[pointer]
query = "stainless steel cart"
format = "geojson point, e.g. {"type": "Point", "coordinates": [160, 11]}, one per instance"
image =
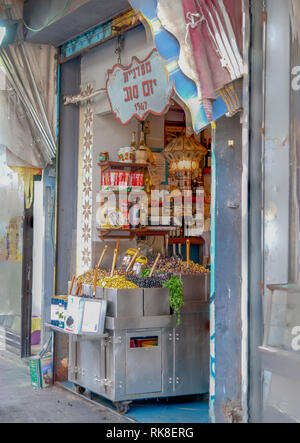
{"type": "Point", "coordinates": [118, 368]}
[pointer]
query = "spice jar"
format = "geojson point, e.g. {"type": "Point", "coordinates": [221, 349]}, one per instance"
{"type": "Point", "coordinates": [103, 157]}
{"type": "Point", "coordinates": [139, 265]}
{"type": "Point", "coordinates": [128, 256]}
{"type": "Point", "coordinates": [128, 154]}
{"type": "Point", "coordinates": [141, 155]}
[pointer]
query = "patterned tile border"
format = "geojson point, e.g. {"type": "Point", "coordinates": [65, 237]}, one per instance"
{"type": "Point", "coordinates": [85, 188]}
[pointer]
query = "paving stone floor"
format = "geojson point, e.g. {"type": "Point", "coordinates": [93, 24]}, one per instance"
{"type": "Point", "coordinates": [20, 403]}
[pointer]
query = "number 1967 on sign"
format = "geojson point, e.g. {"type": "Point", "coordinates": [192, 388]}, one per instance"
{"type": "Point", "coordinates": [141, 106]}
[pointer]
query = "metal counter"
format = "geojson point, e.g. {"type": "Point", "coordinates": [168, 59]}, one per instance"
{"type": "Point", "coordinates": [178, 364]}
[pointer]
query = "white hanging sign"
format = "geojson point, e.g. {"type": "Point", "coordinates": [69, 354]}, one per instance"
{"type": "Point", "coordinates": [140, 89]}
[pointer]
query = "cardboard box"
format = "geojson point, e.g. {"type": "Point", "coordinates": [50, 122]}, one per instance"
{"type": "Point", "coordinates": [59, 305]}
{"type": "Point", "coordinates": [41, 371]}
{"type": "Point", "coordinates": [46, 371]}
{"type": "Point", "coordinates": [54, 311]}
{"type": "Point", "coordinates": [74, 314]}
{"type": "Point", "coordinates": [85, 316]}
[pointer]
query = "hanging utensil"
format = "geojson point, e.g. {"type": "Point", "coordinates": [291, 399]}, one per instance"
{"type": "Point", "coordinates": [188, 253]}
{"type": "Point", "coordinates": [114, 263]}
{"type": "Point", "coordinates": [102, 257]}
{"type": "Point", "coordinates": [117, 250]}
{"type": "Point", "coordinates": [72, 284]}
{"type": "Point", "coordinates": [118, 246]}
{"type": "Point", "coordinates": [180, 252]}
{"type": "Point", "coordinates": [133, 260]}
{"type": "Point", "coordinates": [173, 235]}
{"type": "Point", "coordinates": [167, 245]}
{"type": "Point", "coordinates": [95, 281]}
{"type": "Point", "coordinates": [174, 252]}
{"type": "Point", "coordinates": [79, 287]}
{"type": "Point", "coordinates": [154, 265]}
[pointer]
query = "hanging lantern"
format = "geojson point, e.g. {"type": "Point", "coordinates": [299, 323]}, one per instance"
{"type": "Point", "coordinates": [184, 153]}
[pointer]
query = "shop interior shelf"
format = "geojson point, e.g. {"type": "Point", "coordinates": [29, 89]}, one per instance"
{"type": "Point", "coordinates": [182, 241]}
{"type": "Point", "coordinates": [121, 189]}
{"type": "Point", "coordinates": [132, 233]}
{"type": "Point", "coordinates": [78, 336]}
{"type": "Point", "coordinates": [119, 165]}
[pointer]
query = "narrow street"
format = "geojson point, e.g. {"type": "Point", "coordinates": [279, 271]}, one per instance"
{"type": "Point", "coordinates": [20, 403]}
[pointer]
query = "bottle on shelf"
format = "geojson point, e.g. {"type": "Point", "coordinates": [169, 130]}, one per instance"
{"type": "Point", "coordinates": [135, 216]}
{"type": "Point", "coordinates": [142, 145]}
{"type": "Point", "coordinates": [144, 209]}
{"type": "Point", "coordinates": [141, 155]}
{"type": "Point", "coordinates": [133, 141]}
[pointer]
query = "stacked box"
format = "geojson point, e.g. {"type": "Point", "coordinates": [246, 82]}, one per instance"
{"type": "Point", "coordinates": [41, 371]}
{"type": "Point", "coordinates": [85, 315]}
{"type": "Point", "coordinates": [59, 306]}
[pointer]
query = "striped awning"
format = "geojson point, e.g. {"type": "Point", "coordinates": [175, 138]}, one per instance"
{"type": "Point", "coordinates": [201, 42]}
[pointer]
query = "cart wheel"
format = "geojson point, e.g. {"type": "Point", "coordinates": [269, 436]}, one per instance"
{"type": "Point", "coordinates": [79, 389]}
{"type": "Point", "coordinates": [122, 407]}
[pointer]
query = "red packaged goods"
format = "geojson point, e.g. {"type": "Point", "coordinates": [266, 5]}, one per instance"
{"type": "Point", "coordinates": [115, 178]}
{"type": "Point", "coordinates": [139, 178]}
{"type": "Point", "coordinates": [110, 178]}
{"type": "Point", "coordinates": [132, 179]}
{"type": "Point", "coordinates": [126, 178]}
{"type": "Point", "coordinates": [121, 178]}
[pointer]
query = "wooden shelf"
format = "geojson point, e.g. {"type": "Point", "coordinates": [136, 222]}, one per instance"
{"type": "Point", "coordinates": [132, 233]}
{"type": "Point", "coordinates": [182, 241]}
{"type": "Point", "coordinates": [119, 165]}
{"type": "Point", "coordinates": [123, 189]}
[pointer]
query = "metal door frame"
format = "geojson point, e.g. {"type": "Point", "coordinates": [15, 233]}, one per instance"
{"type": "Point", "coordinates": [27, 272]}
{"type": "Point", "coordinates": [229, 361]}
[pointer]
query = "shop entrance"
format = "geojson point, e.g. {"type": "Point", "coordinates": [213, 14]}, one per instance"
{"type": "Point", "coordinates": [227, 267]}
{"type": "Point", "coordinates": [101, 146]}
{"type": "Point", "coordinates": [162, 358]}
